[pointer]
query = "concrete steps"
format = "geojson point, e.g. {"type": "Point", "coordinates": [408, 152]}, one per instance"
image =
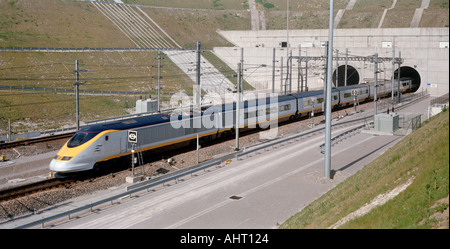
{"type": "Point", "coordinates": [141, 30]}
{"type": "Point", "coordinates": [212, 81]}
{"type": "Point", "coordinates": [144, 32]}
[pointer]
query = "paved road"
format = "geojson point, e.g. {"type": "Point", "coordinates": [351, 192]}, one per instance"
{"type": "Point", "coordinates": [265, 188]}
{"type": "Point", "coordinates": [26, 169]}
{"type": "Point", "coordinates": [268, 187]}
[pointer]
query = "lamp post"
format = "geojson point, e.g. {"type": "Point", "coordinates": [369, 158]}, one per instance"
{"type": "Point", "coordinates": [77, 85]}
{"type": "Point", "coordinates": [375, 78]}
{"type": "Point", "coordinates": [327, 160]}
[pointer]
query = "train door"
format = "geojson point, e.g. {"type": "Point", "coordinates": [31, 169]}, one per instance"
{"type": "Point", "coordinates": [123, 142]}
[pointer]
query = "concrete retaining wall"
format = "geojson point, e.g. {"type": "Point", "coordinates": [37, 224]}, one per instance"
{"type": "Point", "coordinates": [425, 51]}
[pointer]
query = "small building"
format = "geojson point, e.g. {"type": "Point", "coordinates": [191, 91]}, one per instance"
{"type": "Point", "coordinates": [148, 105]}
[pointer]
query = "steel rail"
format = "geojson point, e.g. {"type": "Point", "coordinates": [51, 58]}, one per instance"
{"type": "Point", "coordinates": [35, 140]}
{"type": "Point", "coordinates": [183, 172]}
{"type": "Point", "coordinates": [172, 176]}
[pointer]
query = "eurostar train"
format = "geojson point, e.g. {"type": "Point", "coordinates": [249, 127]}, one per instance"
{"type": "Point", "coordinates": [93, 145]}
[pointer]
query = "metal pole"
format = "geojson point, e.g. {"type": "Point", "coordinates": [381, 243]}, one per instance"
{"type": "Point", "coordinates": [325, 81]}
{"type": "Point", "coordinates": [198, 92]}
{"type": "Point", "coordinates": [337, 68]}
{"type": "Point", "coordinates": [287, 47]}
{"type": "Point", "coordinates": [281, 75]}
{"type": "Point", "coordinates": [398, 78]}
{"type": "Point", "coordinates": [290, 71]}
{"type": "Point", "coordinates": [241, 82]}
{"type": "Point", "coordinates": [159, 81]}
{"type": "Point", "coordinates": [346, 65]}
{"type": "Point", "coordinates": [287, 30]}
{"type": "Point", "coordinates": [238, 103]}
{"type": "Point", "coordinates": [198, 147]}
{"type": "Point", "coordinates": [132, 159]}
{"type": "Point", "coordinates": [327, 161]}
{"type": "Point", "coordinates": [9, 130]}
{"type": "Point", "coordinates": [77, 88]}
{"type": "Point", "coordinates": [273, 72]}
{"type": "Point", "coordinates": [393, 71]}
{"type": "Point", "coordinates": [77, 97]}
{"type": "Point", "coordinates": [299, 69]}
{"type": "Point", "coordinates": [375, 79]}
{"type": "Point", "coordinates": [306, 72]}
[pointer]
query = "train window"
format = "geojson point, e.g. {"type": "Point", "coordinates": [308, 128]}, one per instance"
{"type": "Point", "coordinates": [130, 121]}
{"type": "Point", "coordinates": [335, 97]}
{"type": "Point", "coordinates": [271, 110]}
{"type": "Point", "coordinates": [80, 138]}
{"type": "Point", "coordinates": [285, 107]}
{"type": "Point", "coordinates": [347, 95]}
{"type": "Point", "coordinates": [252, 114]}
{"type": "Point", "coordinates": [319, 100]}
{"type": "Point", "coordinates": [106, 138]}
{"type": "Point", "coordinates": [310, 102]}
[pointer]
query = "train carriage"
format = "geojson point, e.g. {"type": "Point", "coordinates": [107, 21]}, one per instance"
{"type": "Point", "coordinates": [313, 100]}
{"type": "Point", "coordinates": [347, 94]}
{"type": "Point", "coordinates": [98, 143]}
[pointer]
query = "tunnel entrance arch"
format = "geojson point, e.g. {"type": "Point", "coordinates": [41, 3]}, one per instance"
{"type": "Point", "coordinates": [352, 76]}
{"type": "Point", "coordinates": [409, 72]}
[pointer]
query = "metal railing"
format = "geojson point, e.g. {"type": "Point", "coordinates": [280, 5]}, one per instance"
{"type": "Point", "coordinates": [86, 49]}
{"type": "Point", "coordinates": [335, 140]}
{"type": "Point", "coordinates": [408, 124]}
{"type": "Point", "coordinates": [72, 91]}
{"type": "Point", "coordinates": [130, 190]}
{"type": "Point", "coordinates": [202, 166]}
{"type": "Point", "coordinates": [172, 176]}
{"type": "Point", "coordinates": [440, 100]}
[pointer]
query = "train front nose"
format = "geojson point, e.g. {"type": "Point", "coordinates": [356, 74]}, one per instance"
{"type": "Point", "coordinates": [58, 166]}
{"type": "Point", "coordinates": [74, 155]}
{"type": "Point", "coordinates": [69, 166]}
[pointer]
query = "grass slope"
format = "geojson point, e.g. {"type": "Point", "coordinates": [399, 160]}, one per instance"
{"type": "Point", "coordinates": [114, 71]}
{"type": "Point", "coordinates": [423, 155]}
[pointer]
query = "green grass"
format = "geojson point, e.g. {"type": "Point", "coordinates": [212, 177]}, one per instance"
{"type": "Point", "coordinates": [50, 110]}
{"type": "Point", "coordinates": [423, 155]}
{"type": "Point", "coordinates": [57, 23]}
{"type": "Point", "coordinates": [225, 69]}
{"type": "Point", "coordinates": [115, 71]}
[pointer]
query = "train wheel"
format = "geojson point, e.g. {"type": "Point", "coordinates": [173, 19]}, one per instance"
{"type": "Point", "coordinates": [96, 169]}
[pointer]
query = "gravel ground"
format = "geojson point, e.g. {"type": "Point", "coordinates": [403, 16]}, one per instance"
{"type": "Point", "coordinates": [31, 150]}
{"type": "Point", "coordinates": [38, 201]}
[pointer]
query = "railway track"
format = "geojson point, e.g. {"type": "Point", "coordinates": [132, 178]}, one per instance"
{"type": "Point", "coordinates": [23, 190]}
{"type": "Point", "coordinates": [52, 183]}
{"type": "Point", "coordinates": [14, 192]}
{"type": "Point", "coordinates": [26, 142]}
{"type": "Point", "coordinates": [19, 191]}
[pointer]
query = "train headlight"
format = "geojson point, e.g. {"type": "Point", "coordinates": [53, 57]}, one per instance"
{"type": "Point", "coordinates": [66, 158]}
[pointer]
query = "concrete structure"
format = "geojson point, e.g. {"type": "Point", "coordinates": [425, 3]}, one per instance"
{"type": "Point", "coordinates": [148, 105]}
{"type": "Point", "coordinates": [386, 122]}
{"type": "Point", "coordinates": [144, 32]}
{"type": "Point", "coordinates": [254, 192]}
{"type": "Point", "coordinates": [425, 51]}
